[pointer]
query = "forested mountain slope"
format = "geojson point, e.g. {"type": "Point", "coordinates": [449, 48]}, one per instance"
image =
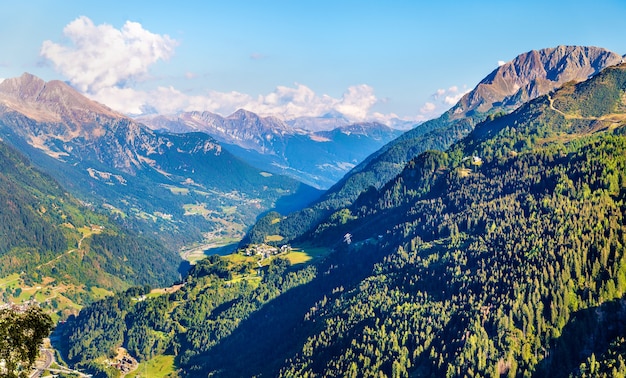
{"type": "Point", "coordinates": [503, 255]}
{"type": "Point", "coordinates": [510, 252]}
{"type": "Point", "coordinates": [46, 232]}
{"type": "Point", "coordinates": [526, 77]}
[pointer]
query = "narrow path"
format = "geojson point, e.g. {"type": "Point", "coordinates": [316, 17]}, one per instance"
{"type": "Point", "coordinates": [80, 243]}
{"type": "Point", "coordinates": [609, 121]}
{"type": "Point", "coordinates": [568, 116]}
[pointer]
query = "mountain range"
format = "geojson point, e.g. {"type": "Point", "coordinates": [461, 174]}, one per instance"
{"type": "Point", "coordinates": [501, 254]}
{"type": "Point", "coordinates": [174, 186]}
{"type": "Point", "coordinates": [318, 158]}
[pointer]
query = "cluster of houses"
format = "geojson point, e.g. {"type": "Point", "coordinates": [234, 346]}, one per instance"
{"type": "Point", "coordinates": [125, 364]}
{"type": "Point", "coordinates": [19, 308]}
{"type": "Point", "coordinates": [265, 250]}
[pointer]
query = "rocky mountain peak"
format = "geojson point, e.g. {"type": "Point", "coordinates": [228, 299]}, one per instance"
{"type": "Point", "coordinates": [25, 87]}
{"type": "Point", "coordinates": [533, 74]}
{"type": "Point", "coordinates": [243, 114]}
{"type": "Point", "coordinates": [53, 101]}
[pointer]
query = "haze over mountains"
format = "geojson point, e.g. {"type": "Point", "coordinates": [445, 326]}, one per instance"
{"type": "Point", "coordinates": [316, 157]}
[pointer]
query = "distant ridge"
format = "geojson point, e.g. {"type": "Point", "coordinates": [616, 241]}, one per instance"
{"type": "Point", "coordinates": [318, 158]}
{"type": "Point", "coordinates": [53, 101]}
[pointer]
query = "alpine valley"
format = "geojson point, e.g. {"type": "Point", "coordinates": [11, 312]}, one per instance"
{"type": "Point", "coordinates": [487, 242]}
{"type": "Point", "coordinates": [176, 187]}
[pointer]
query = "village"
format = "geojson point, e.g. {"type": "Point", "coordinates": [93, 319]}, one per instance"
{"type": "Point", "coordinates": [19, 308]}
{"type": "Point", "coordinates": [266, 250]}
{"type": "Point", "coordinates": [123, 361]}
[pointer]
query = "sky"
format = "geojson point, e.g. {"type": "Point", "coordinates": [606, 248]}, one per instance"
{"type": "Point", "coordinates": [368, 60]}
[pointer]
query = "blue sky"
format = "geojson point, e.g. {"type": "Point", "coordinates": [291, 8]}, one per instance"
{"type": "Point", "coordinates": [366, 59]}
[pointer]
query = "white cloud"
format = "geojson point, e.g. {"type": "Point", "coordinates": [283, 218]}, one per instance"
{"type": "Point", "coordinates": [501, 63]}
{"type": "Point", "coordinates": [284, 102]}
{"type": "Point", "coordinates": [441, 101]}
{"type": "Point", "coordinates": [101, 56]}
{"type": "Point", "coordinates": [428, 107]}
{"type": "Point", "coordinates": [105, 63]}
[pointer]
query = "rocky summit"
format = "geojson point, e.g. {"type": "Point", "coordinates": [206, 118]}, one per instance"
{"type": "Point", "coordinates": [532, 74]}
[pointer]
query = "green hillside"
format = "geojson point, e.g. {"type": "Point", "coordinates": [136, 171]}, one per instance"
{"type": "Point", "coordinates": [58, 240]}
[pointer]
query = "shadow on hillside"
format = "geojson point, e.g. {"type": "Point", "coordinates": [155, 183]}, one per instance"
{"type": "Point", "coordinates": [588, 331]}
{"type": "Point", "coordinates": [259, 345]}
{"type": "Point", "coordinates": [302, 197]}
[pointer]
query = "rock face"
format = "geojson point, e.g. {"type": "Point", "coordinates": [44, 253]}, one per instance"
{"type": "Point", "coordinates": [55, 102]}
{"type": "Point", "coordinates": [242, 128]}
{"type": "Point", "coordinates": [532, 74]}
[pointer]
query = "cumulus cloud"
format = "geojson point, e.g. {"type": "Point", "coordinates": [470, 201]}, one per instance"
{"type": "Point", "coordinates": [501, 63]}
{"type": "Point", "coordinates": [428, 107]}
{"type": "Point", "coordinates": [441, 101]}
{"type": "Point", "coordinates": [101, 56]}
{"type": "Point", "coordinates": [285, 102]}
{"type": "Point", "coordinates": [106, 63]}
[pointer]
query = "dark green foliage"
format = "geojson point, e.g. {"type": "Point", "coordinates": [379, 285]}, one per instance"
{"type": "Point", "coordinates": [136, 260]}
{"type": "Point", "coordinates": [188, 322]}
{"type": "Point", "coordinates": [21, 335]}
{"type": "Point", "coordinates": [212, 265]}
{"type": "Point", "coordinates": [30, 213]}
{"type": "Point", "coordinates": [496, 265]}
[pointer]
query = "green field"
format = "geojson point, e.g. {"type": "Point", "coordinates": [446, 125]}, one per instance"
{"type": "Point", "coordinates": [229, 209]}
{"type": "Point", "coordinates": [177, 190]}
{"type": "Point", "coordinates": [100, 293]}
{"type": "Point", "coordinates": [196, 209]}
{"type": "Point", "coordinates": [311, 252]}
{"type": "Point", "coordinates": [10, 281]}
{"type": "Point", "coordinates": [273, 238]}
{"type": "Point", "coordinates": [159, 366]}
{"type": "Point", "coordinates": [298, 257]}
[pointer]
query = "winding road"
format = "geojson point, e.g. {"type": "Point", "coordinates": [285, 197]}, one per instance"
{"type": "Point", "coordinates": [43, 365]}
